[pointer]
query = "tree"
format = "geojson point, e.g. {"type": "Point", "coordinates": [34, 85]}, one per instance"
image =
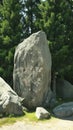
{"type": "Point", "coordinates": [56, 20]}
{"type": "Point", "coordinates": [30, 9]}
{"type": "Point", "coordinates": [10, 35]}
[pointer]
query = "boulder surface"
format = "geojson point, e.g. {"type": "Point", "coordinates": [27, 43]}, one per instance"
{"type": "Point", "coordinates": [9, 100]}
{"type": "Point", "coordinates": [42, 113]}
{"type": "Point", "coordinates": [32, 71]}
{"type": "Point", "coordinates": [64, 110]}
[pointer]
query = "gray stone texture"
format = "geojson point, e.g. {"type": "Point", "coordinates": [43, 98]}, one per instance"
{"type": "Point", "coordinates": [10, 103]}
{"type": "Point", "coordinates": [32, 70]}
{"type": "Point", "coordinates": [42, 113]}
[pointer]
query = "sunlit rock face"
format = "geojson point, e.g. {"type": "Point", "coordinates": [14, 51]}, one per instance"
{"type": "Point", "coordinates": [10, 102]}
{"type": "Point", "coordinates": [32, 71]}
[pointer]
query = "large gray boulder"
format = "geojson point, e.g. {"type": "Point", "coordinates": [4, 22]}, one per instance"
{"type": "Point", "coordinates": [32, 70]}
{"type": "Point", "coordinates": [42, 113]}
{"type": "Point", "coordinates": [64, 89]}
{"type": "Point", "coordinates": [64, 110]}
{"type": "Point", "coordinates": [9, 100]}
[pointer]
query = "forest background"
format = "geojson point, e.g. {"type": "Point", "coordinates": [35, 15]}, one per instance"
{"type": "Point", "coordinates": [20, 18]}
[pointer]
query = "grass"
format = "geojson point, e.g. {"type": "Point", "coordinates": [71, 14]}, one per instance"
{"type": "Point", "coordinates": [7, 120]}
{"type": "Point", "coordinates": [28, 117]}
{"type": "Point", "coordinates": [12, 119]}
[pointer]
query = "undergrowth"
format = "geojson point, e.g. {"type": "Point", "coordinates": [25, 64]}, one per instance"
{"type": "Point", "coordinates": [27, 117]}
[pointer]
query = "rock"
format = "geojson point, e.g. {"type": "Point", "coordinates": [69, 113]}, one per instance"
{"type": "Point", "coordinates": [64, 110]}
{"type": "Point", "coordinates": [25, 109]}
{"type": "Point", "coordinates": [42, 113]}
{"type": "Point", "coordinates": [64, 89]}
{"type": "Point", "coordinates": [32, 71]}
{"type": "Point", "coordinates": [9, 100]}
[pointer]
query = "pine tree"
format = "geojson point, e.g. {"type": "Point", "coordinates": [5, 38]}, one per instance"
{"type": "Point", "coordinates": [30, 9]}
{"type": "Point", "coordinates": [56, 20]}
{"type": "Point", "coordinates": [10, 35]}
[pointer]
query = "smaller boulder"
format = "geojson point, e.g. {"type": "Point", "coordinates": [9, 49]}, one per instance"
{"type": "Point", "coordinates": [10, 102]}
{"type": "Point", "coordinates": [42, 113]}
{"type": "Point", "coordinates": [64, 110]}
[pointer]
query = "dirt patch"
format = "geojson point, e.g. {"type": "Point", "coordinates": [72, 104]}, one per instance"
{"type": "Point", "coordinates": [57, 124]}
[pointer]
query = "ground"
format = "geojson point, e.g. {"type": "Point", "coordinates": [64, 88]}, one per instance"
{"type": "Point", "coordinates": [57, 124]}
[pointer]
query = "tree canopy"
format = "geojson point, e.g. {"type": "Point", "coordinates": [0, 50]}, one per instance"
{"type": "Point", "coordinates": [56, 20]}
{"type": "Point", "coordinates": [10, 35]}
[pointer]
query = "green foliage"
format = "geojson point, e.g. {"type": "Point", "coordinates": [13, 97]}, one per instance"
{"type": "Point", "coordinates": [30, 9]}
{"type": "Point", "coordinates": [56, 20]}
{"type": "Point", "coordinates": [10, 35]}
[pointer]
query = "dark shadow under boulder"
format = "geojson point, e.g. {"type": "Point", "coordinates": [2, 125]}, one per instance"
{"type": "Point", "coordinates": [64, 89]}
